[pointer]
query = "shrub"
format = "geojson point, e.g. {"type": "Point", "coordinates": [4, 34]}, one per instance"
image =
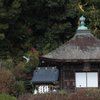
{"type": "Point", "coordinates": [78, 95]}
{"type": "Point", "coordinates": [25, 96]}
{"type": "Point", "coordinates": [7, 81]}
{"type": "Point", "coordinates": [62, 92]}
{"type": "Point", "coordinates": [47, 96]}
{"type": "Point", "coordinates": [8, 64]}
{"type": "Point", "coordinates": [86, 95]}
{"type": "Point", "coordinates": [19, 73]}
{"type": "Point", "coordinates": [19, 87]}
{"type": "Point", "coordinates": [4, 96]}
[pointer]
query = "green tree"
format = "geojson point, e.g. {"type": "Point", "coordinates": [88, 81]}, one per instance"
{"type": "Point", "coordinates": [9, 12]}
{"type": "Point", "coordinates": [52, 22]}
{"type": "Point", "coordinates": [90, 9]}
{"type": "Point", "coordinates": [13, 30]}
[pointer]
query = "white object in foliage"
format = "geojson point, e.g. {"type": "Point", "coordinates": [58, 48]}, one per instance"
{"type": "Point", "coordinates": [35, 91]}
{"type": "Point", "coordinates": [54, 90]}
{"type": "Point", "coordinates": [28, 59]}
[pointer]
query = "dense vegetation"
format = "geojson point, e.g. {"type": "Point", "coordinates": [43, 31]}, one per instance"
{"type": "Point", "coordinates": [37, 27]}
{"type": "Point", "coordinates": [61, 95]}
{"type": "Point", "coordinates": [79, 95]}
{"type": "Point", "coordinates": [42, 24]}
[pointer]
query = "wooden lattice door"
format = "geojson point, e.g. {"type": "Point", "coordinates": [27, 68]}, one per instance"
{"type": "Point", "coordinates": [69, 81]}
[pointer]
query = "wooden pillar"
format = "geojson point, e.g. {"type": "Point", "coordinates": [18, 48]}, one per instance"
{"type": "Point", "coordinates": [40, 62]}
{"type": "Point", "coordinates": [98, 79]}
{"type": "Point", "coordinates": [61, 77]}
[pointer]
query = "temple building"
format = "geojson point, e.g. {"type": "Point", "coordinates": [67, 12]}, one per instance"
{"type": "Point", "coordinates": [74, 65]}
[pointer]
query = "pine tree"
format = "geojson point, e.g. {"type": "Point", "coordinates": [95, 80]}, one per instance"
{"type": "Point", "coordinates": [9, 13]}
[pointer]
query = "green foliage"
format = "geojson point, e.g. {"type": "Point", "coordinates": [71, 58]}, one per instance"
{"type": "Point", "coordinates": [12, 30]}
{"type": "Point", "coordinates": [26, 68]}
{"type": "Point", "coordinates": [54, 27]}
{"type": "Point", "coordinates": [79, 95]}
{"type": "Point", "coordinates": [19, 87]}
{"type": "Point", "coordinates": [28, 86]}
{"type": "Point", "coordinates": [98, 90]}
{"type": "Point", "coordinates": [91, 12]}
{"type": "Point", "coordinates": [2, 36]}
{"type": "Point", "coordinates": [34, 61]}
{"type": "Point", "coordinates": [88, 90]}
{"type": "Point", "coordinates": [19, 73]}
{"type": "Point", "coordinates": [4, 96]}
{"type": "Point", "coordinates": [62, 92]}
{"type": "Point", "coordinates": [9, 12]}
{"type": "Point", "coordinates": [51, 23]}
{"type": "Point", "coordinates": [8, 64]}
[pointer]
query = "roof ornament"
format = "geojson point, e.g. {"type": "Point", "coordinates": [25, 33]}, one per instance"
{"type": "Point", "coordinates": [82, 27]}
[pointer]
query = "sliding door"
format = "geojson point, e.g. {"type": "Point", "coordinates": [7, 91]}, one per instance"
{"type": "Point", "coordinates": [80, 79]}
{"type": "Point", "coordinates": [92, 79]}
{"type": "Point", "coordinates": [86, 79]}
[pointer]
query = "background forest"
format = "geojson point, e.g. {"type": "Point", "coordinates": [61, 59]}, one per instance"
{"type": "Point", "coordinates": [37, 27]}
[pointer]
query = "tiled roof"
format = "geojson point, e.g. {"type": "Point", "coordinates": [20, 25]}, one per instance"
{"type": "Point", "coordinates": [45, 75]}
{"type": "Point", "coordinates": [81, 46]}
